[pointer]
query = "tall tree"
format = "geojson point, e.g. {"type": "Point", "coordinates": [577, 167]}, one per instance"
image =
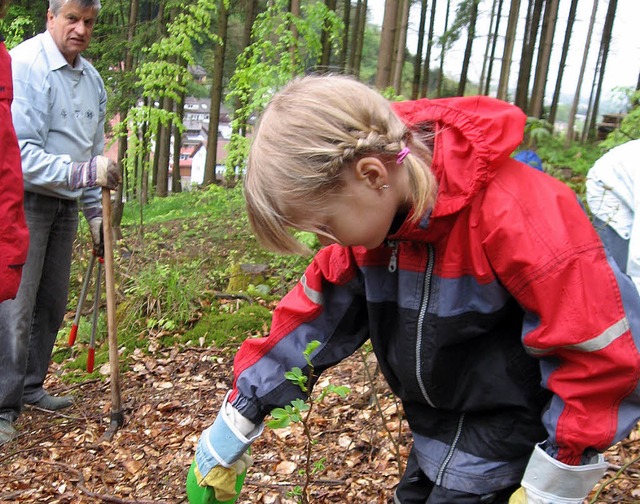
{"type": "Point", "coordinates": [532, 25]}
{"type": "Point", "coordinates": [470, 19]}
{"type": "Point", "coordinates": [359, 38]}
{"type": "Point", "coordinates": [494, 43]}
{"type": "Point", "coordinates": [267, 63]}
{"type": "Point", "coordinates": [576, 96]}
{"type": "Point", "coordinates": [387, 39]}
{"type": "Point", "coordinates": [444, 41]}
{"type": "Point", "coordinates": [346, 21]}
{"type": "Point", "coordinates": [563, 61]}
{"type": "Point", "coordinates": [507, 55]}
{"type": "Point", "coordinates": [491, 36]}
{"type": "Point", "coordinates": [417, 62]}
{"type": "Point", "coordinates": [176, 176]}
{"type": "Point", "coordinates": [427, 58]}
{"type": "Point", "coordinates": [216, 94]}
{"type": "Point", "coordinates": [327, 39]}
{"type": "Point", "coordinates": [544, 57]}
{"type": "Point", "coordinates": [127, 71]}
{"type": "Point", "coordinates": [605, 41]}
{"type": "Point", "coordinates": [402, 20]}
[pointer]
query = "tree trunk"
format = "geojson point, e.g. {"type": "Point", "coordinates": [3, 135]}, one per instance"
{"type": "Point", "coordinates": [512, 23]}
{"type": "Point", "coordinates": [605, 42]}
{"type": "Point", "coordinates": [354, 39]}
{"type": "Point", "coordinates": [534, 12]}
{"type": "Point", "coordinates": [487, 88]}
{"type": "Point", "coordinates": [563, 62]}
{"type": "Point", "coordinates": [544, 56]}
{"type": "Point", "coordinates": [162, 152]}
{"type": "Point", "coordinates": [346, 19]}
{"type": "Point", "coordinates": [176, 179]}
{"type": "Point", "coordinates": [325, 58]}
{"type": "Point", "coordinates": [401, 44]}
{"type": "Point", "coordinates": [250, 15]}
{"type": "Point", "coordinates": [576, 97]}
{"type": "Point", "coordinates": [427, 59]}
{"type": "Point", "coordinates": [442, 52]}
{"type": "Point", "coordinates": [487, 48]}
{"type": "Point", "coordinates": [294, 8]}
{"type": "Point", "coordinates": [362, 24]}
{"type": "Point", "coordinates": [118, 205]}
{"type": "Point", "coordinates": [471, 34]}
{"type": "Point", "coordinates": [387, 38]}
{"type": "Point", "coordinates": [216, 95]}
{"type": "Point", "coordinates": [417, 62]}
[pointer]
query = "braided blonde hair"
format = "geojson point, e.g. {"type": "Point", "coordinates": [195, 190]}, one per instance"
{"type": "Point", "coordinates": [311, 130]}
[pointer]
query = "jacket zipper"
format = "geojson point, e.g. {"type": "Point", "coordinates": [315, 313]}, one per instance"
{"type": "Point", "coordinates": [452, 448]}
{"type": "Point", "coordinates": [423, 311]}
{"type": "Point", "coordinates": [393, 260]}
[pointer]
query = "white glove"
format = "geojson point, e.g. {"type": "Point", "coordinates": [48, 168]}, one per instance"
{"type": "Point", "coordinates": [549, 481]}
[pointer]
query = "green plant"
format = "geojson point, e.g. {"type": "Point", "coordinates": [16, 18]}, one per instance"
{"type": "Point", "coordinates": [299, 411]}
{"type": "Point", "coordinates": [629, 127]}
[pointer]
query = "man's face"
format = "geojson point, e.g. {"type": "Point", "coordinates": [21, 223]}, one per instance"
{"type": "Point", "coordinates": [72, 28]}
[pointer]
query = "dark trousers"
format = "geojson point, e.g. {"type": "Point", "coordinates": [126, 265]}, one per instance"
{"type": "Point", "coordinates": [29, 323]}
{"type": "Point", "coordinates": [416, 488]}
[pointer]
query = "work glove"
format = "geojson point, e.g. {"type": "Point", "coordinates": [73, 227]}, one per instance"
{"type": "Point", "coordinates": [226, 482]}
{"type": "Point", "coordinates": [520, 497]}
{"type": "Point", "coordinates": [93, 215]}
{"type": "Point", "coordinates": [549, 481]}
{"type": "Point", "coordinates": [221, 452]}
{"type": "Point", "coordinates": [98, 171]}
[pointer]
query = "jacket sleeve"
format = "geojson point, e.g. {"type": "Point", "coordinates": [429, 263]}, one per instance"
{"type": "Point", "coordinates": [326, 305]}
{"type": "Point", "coordinates": [14, 235]}
{"type": "Point", "coordinates": [581, 317]}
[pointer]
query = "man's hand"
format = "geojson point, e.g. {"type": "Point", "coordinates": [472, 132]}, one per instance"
{"type": "Point", "coordinates": [99, 171]}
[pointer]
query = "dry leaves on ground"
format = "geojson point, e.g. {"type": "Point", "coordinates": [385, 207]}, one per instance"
{"type": "Point", "coordinates": [170, 396]}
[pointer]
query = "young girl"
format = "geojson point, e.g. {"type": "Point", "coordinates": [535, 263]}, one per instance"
{"type": "Point", "coordinates": [494, 313]}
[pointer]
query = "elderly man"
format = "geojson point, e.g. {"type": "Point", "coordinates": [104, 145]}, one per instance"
{"type": "Point", "coordinates": [59, 111]}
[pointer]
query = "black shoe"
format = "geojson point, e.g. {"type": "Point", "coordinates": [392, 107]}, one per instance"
{"type": "Point", "coordinates": [53, 403]}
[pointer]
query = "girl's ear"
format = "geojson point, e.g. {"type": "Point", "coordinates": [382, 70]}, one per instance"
{"type": "Point", "coordinates": [372, 171]}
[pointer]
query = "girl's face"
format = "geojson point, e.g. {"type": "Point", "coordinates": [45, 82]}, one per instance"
{"type": "Point", "coordinates": [362, 211]}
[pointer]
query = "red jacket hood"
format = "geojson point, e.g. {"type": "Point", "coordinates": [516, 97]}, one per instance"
{"type": "Point", "coordinates": [472, 136]}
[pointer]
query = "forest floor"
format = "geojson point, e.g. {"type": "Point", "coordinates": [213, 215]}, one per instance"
{"type": "Point", "coordinates": [171, 392]}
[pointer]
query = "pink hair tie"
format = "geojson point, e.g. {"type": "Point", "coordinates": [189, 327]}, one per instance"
{"type": "Point", "coordinates": [402, 154]}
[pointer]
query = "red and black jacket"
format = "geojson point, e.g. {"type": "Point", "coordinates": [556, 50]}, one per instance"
{"type": "Point", "coordinates": [504, 324]}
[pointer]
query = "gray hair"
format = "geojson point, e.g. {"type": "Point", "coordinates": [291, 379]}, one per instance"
{"type": "Point", "coordinates": [56, 5]}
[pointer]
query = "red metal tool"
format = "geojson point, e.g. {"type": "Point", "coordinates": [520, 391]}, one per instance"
{"type": "Point", "coordinates": [96, 306]}
{"type": "Point", "coordinates": [83, 296]}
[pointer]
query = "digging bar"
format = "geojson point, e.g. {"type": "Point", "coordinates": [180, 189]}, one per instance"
{"type": "Point", "coordinates": [117, 416]}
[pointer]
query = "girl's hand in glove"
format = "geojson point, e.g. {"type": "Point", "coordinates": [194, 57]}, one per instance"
{"type": "Point", "coordinates": [224, 480]}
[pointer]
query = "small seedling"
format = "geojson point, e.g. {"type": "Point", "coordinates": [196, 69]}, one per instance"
{"type": "Point", "coordinates": [299, 411]}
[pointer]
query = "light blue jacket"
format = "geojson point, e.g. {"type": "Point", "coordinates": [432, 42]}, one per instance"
{"type": "Point", "coordinates": [58, 113]}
